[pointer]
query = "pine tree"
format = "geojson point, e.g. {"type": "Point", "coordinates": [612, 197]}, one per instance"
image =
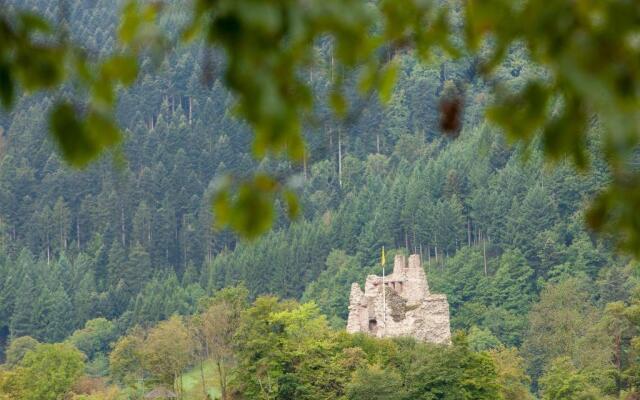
{"type": "Point", "coordinates": [191, 275]}
{"type": "Point", "coordinates": [84, 298]}
{"type": "Point", "coordinates": [22, 320]}
{"type": "Point", "coordinates": [142, 226]}
{"type": "Point", "coordinates": [64, 272]}
{"type": "Point", "coordinates": [116, 265]}
{"type": "Point", "coordinates": [100, 258]}
{"type": "Point", "coordinates": [137, 270]}
{"type": "Point", "coordinates": [62, 222]}
{"type": "Point", "coordinates": [512, 284]}
{"type": "Point", "coordinates": [536, 214]}
{"type": "Point", "coordinates": [59, 324]}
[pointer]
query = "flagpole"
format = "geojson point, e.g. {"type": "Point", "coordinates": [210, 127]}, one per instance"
{"type": "Point", "coordinates": [384, 294]}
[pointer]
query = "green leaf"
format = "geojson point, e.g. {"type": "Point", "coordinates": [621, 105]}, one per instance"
{"type": "Point", "coordinates": [293, 206]}
{"type": "Point", "coordinates": [71, 135]}
{"type": "Point", "coordinates": [32, 22]}
{"type": "Point", "coordinates": [123, 68]}
{"type": "Point", "coordinates": [252, 214]}
{"type": "Point", "coordinates": [103, 92]}
{"type": "Point", "coordinates": [6, 86]}
{"type": "Point", "coordinates": [221, 208]}
{"type": "Point", "coordinates": [40, 67]}
{"type": "Point", "coordinates": [137, 26]}
{"type": "Point", "coordinates": [81, 141]}
{"type": "Point", "coordinates": [131, 21]}
{"type": "Point", "coordinates": [247, 207]}
{"type": "Point", "coordinates": [338, 103]}
{"type": "Point", "coordinates": [388, 81]}
{"type": "Point", "coordinates": [103, 130]}
{"type": "Point", "coordinates": [521, 113]}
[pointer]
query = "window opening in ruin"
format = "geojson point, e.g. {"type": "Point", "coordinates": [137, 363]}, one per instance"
{"type": "Point", "coordinates": [373, 325]}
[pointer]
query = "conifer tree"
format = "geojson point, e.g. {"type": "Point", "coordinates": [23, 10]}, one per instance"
{"type": "Point", "coordinates": [84, 299]}
{"type": "Point", "coordinates": [23, 321]}
{"type": "Point", "coordinates": [513, 283]}
{"type": "Point", "coordinates": [62, 223]}
{"type": "Point", "coordinates": [116, 265]}
{"type": "Point", "coordinates": [59, 324]}
{"type": "Point", "coordinates": [137, 270]}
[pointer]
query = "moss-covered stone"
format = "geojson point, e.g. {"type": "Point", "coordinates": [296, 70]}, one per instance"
{"type": "Point", "coordinates": [396, 304]}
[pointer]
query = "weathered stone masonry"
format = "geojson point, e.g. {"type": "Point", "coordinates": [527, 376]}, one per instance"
{"type": "Point", "coordinates": [410, 309]}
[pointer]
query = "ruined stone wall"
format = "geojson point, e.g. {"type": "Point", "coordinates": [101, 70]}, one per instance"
{"type": "Point", "coordinates": [417, 287]}
{"type": "Point", "coordinates": [406, 308]}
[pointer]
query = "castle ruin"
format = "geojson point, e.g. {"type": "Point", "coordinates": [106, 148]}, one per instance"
{"type": "Point", "coordinates": [406, 308]}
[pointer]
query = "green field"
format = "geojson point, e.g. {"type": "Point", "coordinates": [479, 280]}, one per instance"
{"type": "Point", "coordinates": [192, 382]}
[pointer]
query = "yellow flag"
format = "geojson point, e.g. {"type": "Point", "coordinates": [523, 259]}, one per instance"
{"type": "Point", "coordinates": [383, 261]}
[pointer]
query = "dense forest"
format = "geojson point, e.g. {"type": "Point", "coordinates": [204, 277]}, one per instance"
{"type": "Point", "coordinates": [117, 271]}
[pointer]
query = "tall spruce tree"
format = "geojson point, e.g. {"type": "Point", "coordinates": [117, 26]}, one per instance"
{"type": "Point", "coordinates": [23, 321]}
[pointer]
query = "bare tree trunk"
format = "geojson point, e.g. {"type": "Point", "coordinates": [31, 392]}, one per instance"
{"type": "Point", "coordinates": [122, 228]}
{"type": "Point", "coordinates": [304, 163]}
{"type": "Point", "coordinates": [618, 361]}
{"type": "Point", "coordinates": [190, 109]}
{"type": "Point", "coordinates": [415, 245]}
{"type": "Point", "coordinates": [436, 251]}
{"type": "Point", "coordinates": [78, 232]}
{"type": "Point", "coordinates": [176, 387]}
{"type": "Point", "coordinates": [184, 240]}
{"type": "Point", "coordinates": [204, 387]}
{"type": "Point", "coordinates": [339, 157]}
{"type": "Point", "coordinates": [406, 240]}
{"type": "Point", "coordinates": [484, 253]}
{"type": "Point", "coordinates": [223, 381]}
{"type": "Point", "coordinates": [331, 75]}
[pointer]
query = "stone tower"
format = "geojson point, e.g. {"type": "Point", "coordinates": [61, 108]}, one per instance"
{"type": "Point", "coordinates": [407, 308]}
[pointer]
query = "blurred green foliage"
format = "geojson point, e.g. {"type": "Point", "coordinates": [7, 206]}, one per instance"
{"type": "Point", "coordinates": [37, 55]}
{"type": "Point", "coordinates": [588, 52]}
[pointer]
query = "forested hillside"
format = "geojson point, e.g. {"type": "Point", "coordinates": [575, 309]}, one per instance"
{"type": "Point", "coordinates": [130, 241]}
{"type": "Point", "coordinates": [142, 214]}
